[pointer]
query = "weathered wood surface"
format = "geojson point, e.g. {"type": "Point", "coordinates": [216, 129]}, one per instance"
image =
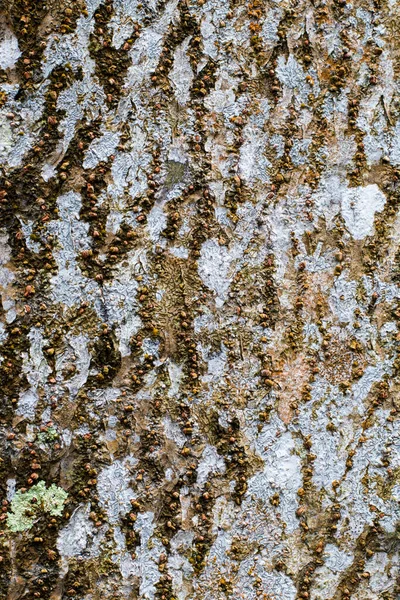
{"type": "Point", "coordinates": [199, 272]}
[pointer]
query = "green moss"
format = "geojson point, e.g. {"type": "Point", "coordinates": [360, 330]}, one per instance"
{"type": "Point", "coordinates": [49, 435]}
{"type": "Point", "coordinates": [27, 506]}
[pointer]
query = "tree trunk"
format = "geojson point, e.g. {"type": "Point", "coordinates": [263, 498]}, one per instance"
{"type": "Point", "coordinates": [199, 271]}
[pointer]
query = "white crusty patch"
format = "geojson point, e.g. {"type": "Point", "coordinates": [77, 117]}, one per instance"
{"type": "Point", "coordinates": [358, 208]}
{"type": "Point", "coordinates": [145, 565]}
{"type": "Point", "coordinates": [73, 538]}
{"type": "Point", "coordinates": [342, 299]}
{"type": "Point", "coordinates": [114, 491]}
{"type": "Point", "coordinates": [222, 98]}
{"type": "Point", "coordinates": [6, 278]}
{"type": "Point", "coordinates": [80, 346]}
{"type": "Point", "coordinates": [100, 149]}
{"type": "Point", "coordinates": [120, 299]}
{"type": "Point", "coordinates": [181, 74]}
{"type": "Point", "coordinates": [175, 373]}
{"type": "Point", "coordinates": [253, 164]}
{"type": "Point", "coordinates": [156, 221]}
{"type": "Point", "coordinates": [125, 13]}
{"type": "Point", "coordinates": [27, 404]}
{"type": "Point", "coordinates": [290, 73]}
{"type": "Point", "coordinates": [282, 473]}
{"type": "Point", "coordinates": [211, 462]}
{"type": "Point", "coordinates": [36, 370]}
{"type": "Point", "coordinates": [68, 285]}
{"type": "Point", "coordinates": [145, 52]}
{"type": "Point", "coordinates": [214, 268]}
{"type": "Point", "coordinates": [328, 575]}
{"type": "Point", "coordinates": [172, 432]}
{"type": "Point", "coordinates": [9, 50]}
{"type": "Point", "coordinates": [6, 138]}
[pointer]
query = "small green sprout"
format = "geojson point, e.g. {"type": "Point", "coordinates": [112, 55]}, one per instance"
{"type": "Point", "coordinates": [49, 435]}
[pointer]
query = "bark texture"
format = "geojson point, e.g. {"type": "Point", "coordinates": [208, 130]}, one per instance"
{"type": "Point", "coordinates": [199, 272]}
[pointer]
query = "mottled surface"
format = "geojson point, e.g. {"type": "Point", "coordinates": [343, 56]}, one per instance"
{"type": "Point", "coordinates": [200, 309]}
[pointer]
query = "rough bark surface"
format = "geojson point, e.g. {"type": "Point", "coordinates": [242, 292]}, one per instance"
{"type": "Point", "coordinates": [199, 272]}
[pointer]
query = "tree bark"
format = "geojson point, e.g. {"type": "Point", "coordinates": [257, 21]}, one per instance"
{"type": "Point", "coordinates": [199, 272]}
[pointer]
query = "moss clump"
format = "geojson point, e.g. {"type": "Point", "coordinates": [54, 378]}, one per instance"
{"type": "Point", "coordinates": [48, 436]}
{"type": "Point", "coordinates": [27, 506]}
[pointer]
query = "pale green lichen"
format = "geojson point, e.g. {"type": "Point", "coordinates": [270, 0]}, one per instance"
{"type": "Point", "coordinates": [27, 506]}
